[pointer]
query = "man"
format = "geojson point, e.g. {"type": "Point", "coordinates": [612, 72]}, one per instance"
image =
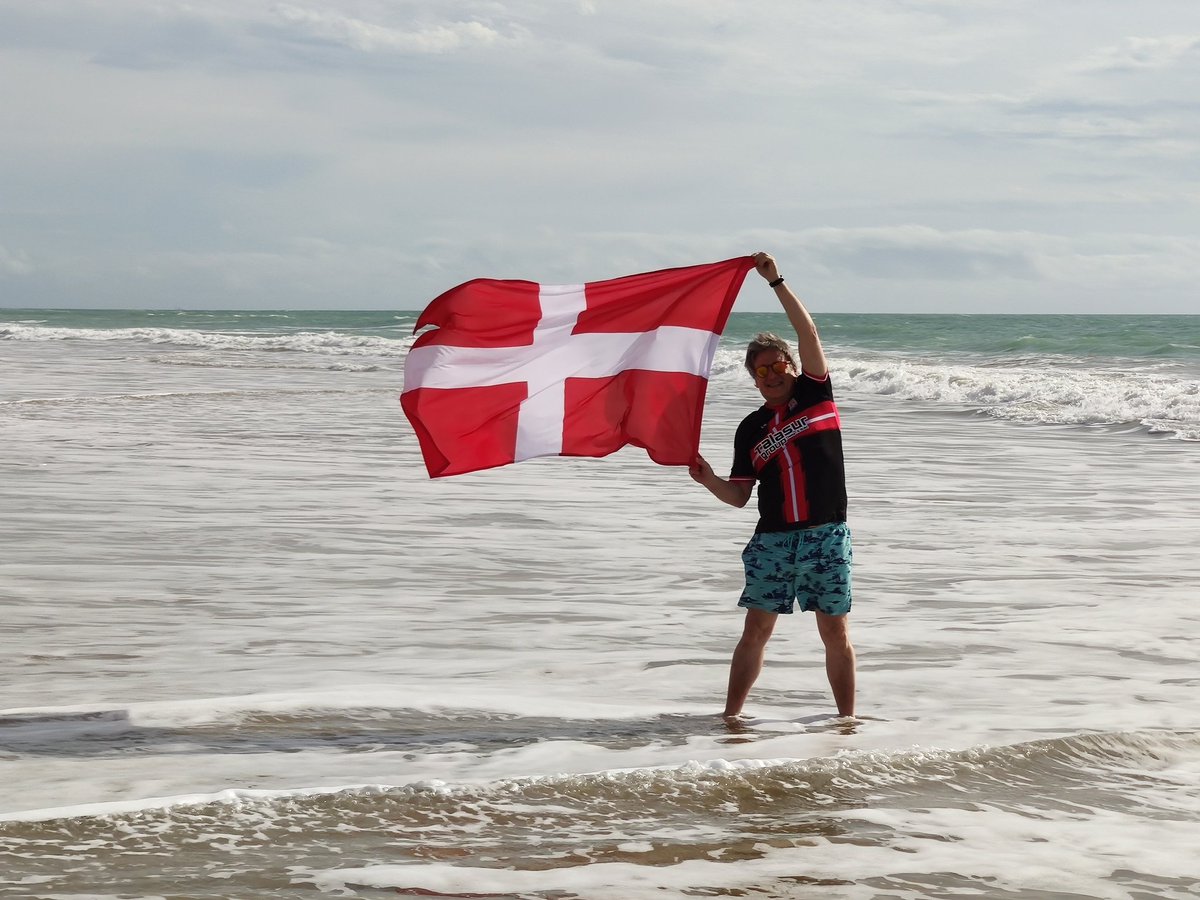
{"type": "Point", "coordinates": [792, 447]}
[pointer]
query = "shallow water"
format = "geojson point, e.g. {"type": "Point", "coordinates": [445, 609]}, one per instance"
{"type": "Point", "coordinates": [249, 649]}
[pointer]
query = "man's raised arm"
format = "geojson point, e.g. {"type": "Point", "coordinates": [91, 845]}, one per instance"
{"type": "Point", "coordinates": [812, 355]}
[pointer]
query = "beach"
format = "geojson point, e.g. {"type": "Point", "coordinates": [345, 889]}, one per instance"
{"type": "Point", "coordinates": [250, 649]}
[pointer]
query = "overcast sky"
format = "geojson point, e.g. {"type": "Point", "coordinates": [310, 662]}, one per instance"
{"type": "Point", "coordinates": [895, 155]}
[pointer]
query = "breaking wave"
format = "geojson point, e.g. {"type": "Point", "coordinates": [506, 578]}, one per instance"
{"type": "Point", "coordinates": [1021, 390]}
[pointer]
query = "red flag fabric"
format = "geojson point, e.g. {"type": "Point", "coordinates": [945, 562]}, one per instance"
{"type": "Point", "coordinates": [515, 370]}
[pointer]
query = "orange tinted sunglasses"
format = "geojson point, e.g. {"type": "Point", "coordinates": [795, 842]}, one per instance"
{"type": "Point", "coordinates": [778, 367]}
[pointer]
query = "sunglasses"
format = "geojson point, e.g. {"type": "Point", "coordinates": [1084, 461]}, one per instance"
{"type": "Point", "coordinates": [778, 367]}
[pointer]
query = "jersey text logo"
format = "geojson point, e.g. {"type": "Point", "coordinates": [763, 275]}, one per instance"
{"type": "Point", "coordinates": [776, 440]}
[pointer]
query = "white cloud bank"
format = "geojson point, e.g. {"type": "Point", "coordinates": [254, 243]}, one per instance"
{"type": "Point", "coordinates": [369, 37]}
{"type": "Point", "coordinates": [925, 156]}
{"type": "Point", "coordinates": [1144, 53]}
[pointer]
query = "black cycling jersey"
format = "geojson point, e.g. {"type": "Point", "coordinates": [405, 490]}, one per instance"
{"type": "Point", "coordinates": [794, 452]}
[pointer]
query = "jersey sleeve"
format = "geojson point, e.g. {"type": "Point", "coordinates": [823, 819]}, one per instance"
{"type": "Point", "coordinates": [810, 390]}
{"type": "Point", "coordinates": [743, 466]}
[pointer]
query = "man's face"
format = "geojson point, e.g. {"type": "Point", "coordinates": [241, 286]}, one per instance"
{"type": "Point", "coordinates": [776, 387]}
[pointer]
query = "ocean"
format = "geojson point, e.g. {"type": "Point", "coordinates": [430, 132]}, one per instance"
{"type": "Point", "coordinates": [248, 649]}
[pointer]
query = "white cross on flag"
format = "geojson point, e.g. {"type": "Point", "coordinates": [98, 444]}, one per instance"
{"type": "Point", "coordinates": [515, 370]}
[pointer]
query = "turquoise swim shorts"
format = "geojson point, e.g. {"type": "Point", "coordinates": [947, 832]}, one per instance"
{"type": "Point", "coordinates": [811, 565]}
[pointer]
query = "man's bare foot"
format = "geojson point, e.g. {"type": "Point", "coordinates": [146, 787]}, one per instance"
{"type": "Point", "coordinates": [735, 722]}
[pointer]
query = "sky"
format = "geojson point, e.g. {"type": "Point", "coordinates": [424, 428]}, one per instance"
{"type": "Point", "coordinates": [894, 155]}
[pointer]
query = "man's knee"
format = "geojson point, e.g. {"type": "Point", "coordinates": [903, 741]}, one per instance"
{"type": "Point", "coordinates": [759, 626]}
{"type": "Point", "coordinates": [835, 630]}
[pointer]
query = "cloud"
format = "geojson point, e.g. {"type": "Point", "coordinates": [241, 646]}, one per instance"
{"type": "Point", "coordinates": [1141, 53]}
{"type": "Point", "coordinates": [913, 268]}
{"type": "Point", "coordinates": [283, 37]}
{"type": "Point", "coordinates": [1083, 122]}
{"type": "Point", "coordinates": [900, 155]}
{"type": "Point", "coordinates": [1102, 102]}
{"type": "Point", "coordinates": [372, 37]}
{"type": "Point", "coordinates": [865, 269]}
{"type": "Point", "coordinates": [14, 262]}
{"type": "Point", "coordinates": [918, 252]}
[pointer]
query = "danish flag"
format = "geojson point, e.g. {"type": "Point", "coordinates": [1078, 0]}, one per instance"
{"type": "Point", "coordinates": [514, 370]}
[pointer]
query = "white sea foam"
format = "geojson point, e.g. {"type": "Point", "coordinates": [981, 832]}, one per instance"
{"type": "Point", "coordinates": [924, 851]}
{"type": "Point", "coordinates": [1040, 394]}
{"type": "Point", "coordinates": [325, 342]}
{"type": "Point", "coordinates": [1032, 391]}
{"type": "Point", "coordinates": [246, 588]}
{"type": "Point", "coordinates": [1036, 390]}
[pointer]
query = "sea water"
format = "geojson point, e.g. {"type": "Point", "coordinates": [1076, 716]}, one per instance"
{"type": "Point", "coordinates": [249, 649]}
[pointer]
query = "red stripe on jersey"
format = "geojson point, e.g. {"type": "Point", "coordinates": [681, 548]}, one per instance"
{"type": "Point", "coordinates": [791, 471]}
{"type": "Point", "coordinates": [779, 442]}
{"type": "Point", "coordinates": [821, 416]}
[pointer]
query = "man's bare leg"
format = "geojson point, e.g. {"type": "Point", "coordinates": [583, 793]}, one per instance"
{"type": "Point", "coordinates": [748, 658]}
{"type": "Point", "coordinates": [839, 660]}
